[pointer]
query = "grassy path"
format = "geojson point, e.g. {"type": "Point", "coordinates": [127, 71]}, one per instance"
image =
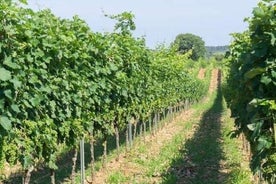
{"type": "Point", "coordinates": [210, 156]}
{"type": "Point", "coordinates": [195, 149]}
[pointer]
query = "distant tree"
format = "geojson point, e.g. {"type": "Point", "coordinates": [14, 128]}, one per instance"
{"type": "Point", "coordinates": [219, 56]}
{"type": "Point", "coordinates": [188, 41]}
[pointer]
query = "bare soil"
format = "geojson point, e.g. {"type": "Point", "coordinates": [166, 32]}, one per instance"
{"type": "Point", "coordinates": [201, 73]}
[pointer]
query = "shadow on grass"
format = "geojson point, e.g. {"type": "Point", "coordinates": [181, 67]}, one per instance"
{"type": "Point", "coordinates": [201, 155]}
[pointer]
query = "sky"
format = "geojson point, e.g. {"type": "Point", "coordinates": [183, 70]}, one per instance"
{"type": "Point", "coordinates": [160, 21]}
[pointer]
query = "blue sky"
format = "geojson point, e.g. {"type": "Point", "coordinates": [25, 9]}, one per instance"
{"type": "Point", "coordinates": [161, 20]}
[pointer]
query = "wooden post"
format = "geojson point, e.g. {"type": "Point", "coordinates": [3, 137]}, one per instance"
{"type": "Point", "coordinates": [74, 160]}
{"type": "Point", "coordinates": [53, 180]}
{"type": "Point", "coordinates": [130, 132]}
{"type": "Point", "coordinates": [92, 152]}
{"type": "Point", "coordinates": [27, 175]}
{"type": "Point", "coordinates": [82, 161]}
{"type": "Point", "coordinates": [117, 140]}
{"type": "Point", "coordinates": [104, 151]}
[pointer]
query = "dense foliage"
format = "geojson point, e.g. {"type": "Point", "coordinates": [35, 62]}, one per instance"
{"type": "Point", "coordinates": [251, 91]}
{"type": "Point", "coordinates": [187, 42]}
{"type": "Point", "coordinates": [61, 82]}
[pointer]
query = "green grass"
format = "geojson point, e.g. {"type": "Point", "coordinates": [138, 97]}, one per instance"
{"type": "Point", "coordinates": [239, 174]}
{"type": "Point", "coordinates": [203, 154]}
{"type": "Point", "coordinates": [116, 178]}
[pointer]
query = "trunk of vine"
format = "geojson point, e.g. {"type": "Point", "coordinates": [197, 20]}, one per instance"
{"type": "Point", "coordinates": [135, 130]}
{"type": "Point", "coordinates": [158, 121]}
{"type": "Point", "coordinates": [53, 181]}
{"type": "Point", "coordinates": [150, 126]}
{"type": "Point", "coordinates": [27, 175]}
{"type": "Point", "coordinates": [155, 123]}
{"type": "Point", "coordinates": [127, 142]}
{"type": "Point", "coordinates": [185, 104]}
{"type": "Point", "coordinates": [117, 140]}
{"type": "Point", "coordinates": [246, 147]}
{"type": "Point", "coordinates": [92, 163]}
{"type": "Point", "coordinates": [169, 114]}
{"type": "Point", "coordinates": [141, 130]}
{"type": "Point", "coordinates": [173, 112]}
{"type": "Point", "coordinates": [104, 152]}
{"type": "Point", "coordinates": [130, 134]}
{"type": "Point", "coordinates": [74, 160]}
{"type": "Point", "coordinates": [145, 129]}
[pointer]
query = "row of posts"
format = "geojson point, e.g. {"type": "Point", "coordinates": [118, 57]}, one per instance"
{"type": "Point", "coordinates": [156, 118]}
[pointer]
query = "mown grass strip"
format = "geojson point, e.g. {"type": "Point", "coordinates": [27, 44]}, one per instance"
{"type": "Point", "coordinates": [207, 156]}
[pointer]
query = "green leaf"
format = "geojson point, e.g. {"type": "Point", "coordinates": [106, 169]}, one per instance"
{"type": "Point", "coordinates": [254, 72]}
{"type": "Point", "coordinates": [16, 83]}
{"type": "Point", "coordinates": [257, 11]}
{"type": "Point", "coordinates": [8, 62]}
{"type": "Point", "coordinates": [113, 67]}
{"type": "Point", "coordinates": [124, 93]}
{"type": "Point", "coordinates": [5, 123]}
{"type": "Point", "coordinates": [35, 101]}
{"type": "Point", "coordinates": [33, 79]}
{"type": "Point", "coordinates": [8, 93]}
{"type": "Point", "coordinates": [68, 112]}
{"type": "Point", "coordinates": [52, 165]}
{"type": "Point", "coordinates": [24, 1]}
{"type": "Point", "coordinates": [27, 104]}
{"type": "Point", "coordinates": [257, 129]}
{"type": "Point", "coordinates": [266, 80]}
{"type": "Point", "coordinates": [28, 33]}
{"type": "Point", "coordinates": [273, 39]}
{"type": "Point", "coordinates": [263, 143]}
{"type": "Point", "coordinates": [2, 103]}
{"type": "Point", "coordinates": [251, 126]}
{"type": "Point", "coordinates": [4, 74]}
{"type": "Point", "coordinates": [273, 73]}
{"type": "Point", "coordinates": [27, 161]}
{"type": "Point", "coordinates": [29, 58]}
{"type": "Point", "coordinates": [15, 108]}
{"type": "Point", "coordinates": [46, 89]}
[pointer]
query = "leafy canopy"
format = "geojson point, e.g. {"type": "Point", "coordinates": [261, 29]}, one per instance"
{"type": "Point", "coordinates": [187, 42]}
